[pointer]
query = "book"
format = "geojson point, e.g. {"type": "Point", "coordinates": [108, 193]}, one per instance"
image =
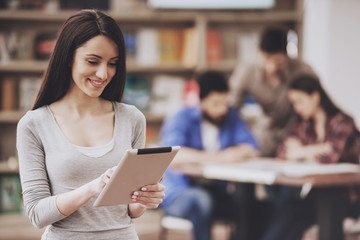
{"type": "Point", "coordinates": [130, 44]}
{"type": "Point", "coordinates": [147, 47]}
{"type": "Point", "coordinates": [170, 46]}
{"type": "Point", "coordinates": [10, 193]}
{"type": "Point", "coordinates": [192, 93]}
{"type": "Point", "coordinates": [8, 45]}
{"type": "Point", "coordinates": [213, 47]}
{"type": "Point", "coordinates": [25, 45]}
{"type": "Point", "coordinates": [151, 136]}
{"type": "Point", "coordinates": [229, 44]}
{"type": "Point", "coordinates": [167, 94]}
{"type": "Point", "coordinates": [248, 45]}
{"type": "Point", "coordinates": [137, 91]}
{"type": "Point", "coordinates": [44, 45]}
{"type": "Point", "coordinates": [190, 49]}
{"type": "Point", "coordinates": [28, 90]}
{"type": "Point", "coordinates": [8, 94]}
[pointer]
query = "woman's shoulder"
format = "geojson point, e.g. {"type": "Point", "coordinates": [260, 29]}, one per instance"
{"type": "Point", "coordinates": [129, 110]}
{"type": "Point", "coordinates": [34, 117]}
{"type": "Point", "coordinates": [342, 118]}
{"type": "Point", "coordinates": [342, 121]}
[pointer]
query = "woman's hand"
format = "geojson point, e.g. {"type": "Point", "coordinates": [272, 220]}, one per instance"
{"type": "Point", "coordinates": [99, 183]}
{"type": "Point", "coordinates": [149, 196]}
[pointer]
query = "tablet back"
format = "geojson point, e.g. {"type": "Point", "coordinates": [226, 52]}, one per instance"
{"type": "Point", "coordinates": [138, 167]}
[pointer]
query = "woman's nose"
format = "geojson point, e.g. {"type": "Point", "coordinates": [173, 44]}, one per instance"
{"type": "Point", "coordinates": [102, 72]}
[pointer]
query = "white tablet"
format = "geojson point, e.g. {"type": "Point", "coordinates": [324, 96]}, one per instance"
{"type": "Point", "coordinates": [138, 167]}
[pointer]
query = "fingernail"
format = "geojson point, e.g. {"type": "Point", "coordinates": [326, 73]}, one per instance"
{"type": "Point", "coordinates": [136, 193]}
{"type": "Point", "coordinates": [143, 189]}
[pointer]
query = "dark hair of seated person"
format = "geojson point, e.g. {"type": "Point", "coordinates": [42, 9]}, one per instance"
{"type": "Point", "coordinates": [274, 40]}
{"type": "Point", "coordinates": [212, 81]}
{"type": "Point", "coordinates": [310, 84]}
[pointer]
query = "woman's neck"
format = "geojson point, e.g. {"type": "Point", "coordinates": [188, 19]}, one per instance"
{"type": "Point", "coordinates": [80, 105]}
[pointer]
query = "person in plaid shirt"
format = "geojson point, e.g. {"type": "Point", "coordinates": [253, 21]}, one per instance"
{"type": "Point", "coordinates": [323, 134]}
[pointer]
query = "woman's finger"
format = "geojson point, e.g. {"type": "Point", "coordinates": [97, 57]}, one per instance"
{"type": "Point", "coordinates": [158, 187]}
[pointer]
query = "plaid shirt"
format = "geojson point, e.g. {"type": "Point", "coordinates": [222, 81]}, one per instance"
{"type": "Point", "coordinates": [340, 132]}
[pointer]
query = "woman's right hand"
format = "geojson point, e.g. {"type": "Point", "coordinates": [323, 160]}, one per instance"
{"type": "Point", "coordinates": [99, 183]}
{"type": "Point", "coordinates": [69, 202]}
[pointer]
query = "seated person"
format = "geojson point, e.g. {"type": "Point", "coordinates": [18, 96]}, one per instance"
{"type": "Point", "coordinates": [324, 134]}
{"type": "Point", "coordinates": [210, 132]}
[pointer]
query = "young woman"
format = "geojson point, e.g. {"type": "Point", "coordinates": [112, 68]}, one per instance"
{"type": "Point", "coordinates": [324, 134]}
{"type": "Point", "coordinates": [77, 132]}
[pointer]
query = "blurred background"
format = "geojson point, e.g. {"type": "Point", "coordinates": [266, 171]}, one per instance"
{"type": "Point", "coordinates": [167, 43]}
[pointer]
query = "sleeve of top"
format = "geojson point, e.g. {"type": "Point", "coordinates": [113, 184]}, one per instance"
{"type": "Point", "coordinates": [340, 129]}
{"type": "Point", "coordinates": [237, 83]}
{"type": "Point", "coordinates": [281, 149]}
{"type": "Point", "coordinates": [40, 206]}
{"type": "Point", "coordinates": [242, 132]}
{"type": "Point", "coordinates": [139, 130]}
{"type": "Point", "coordinates": [173, 132]}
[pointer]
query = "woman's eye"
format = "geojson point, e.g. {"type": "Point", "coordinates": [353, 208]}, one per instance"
{"type": "Point", "coordinates": [92, 62]}
{"type": "Point", "coordinates": [113, 64]}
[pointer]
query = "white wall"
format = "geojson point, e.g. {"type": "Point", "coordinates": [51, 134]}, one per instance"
{"type": "Point", "coordinates": [331, 45]}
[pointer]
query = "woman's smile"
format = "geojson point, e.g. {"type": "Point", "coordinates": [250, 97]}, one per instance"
{"type": "Point", "coordinates": [97, 83]}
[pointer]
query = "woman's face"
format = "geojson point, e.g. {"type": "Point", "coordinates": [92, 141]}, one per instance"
{"type": "Point", "coordinates": [94, 65]}
{"type": "Point", "coordinates": [304, 104]}
{"type": "Point", "coordinates": [272, 63]}
{"type": "Point", "coordinates": [215, 105]}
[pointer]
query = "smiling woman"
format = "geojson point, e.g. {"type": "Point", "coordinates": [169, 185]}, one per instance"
{"type": "Point", "coordinates": [76, 133]}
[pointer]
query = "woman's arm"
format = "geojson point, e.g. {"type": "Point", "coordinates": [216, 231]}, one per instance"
{"type": "Point", "coordinates": [293, 149]}
{"type": "Point", "coordinates": [69, 202]}
{"type": "Point", "coordinates": [339, 131]}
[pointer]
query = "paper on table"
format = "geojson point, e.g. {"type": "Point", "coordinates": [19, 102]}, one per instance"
{"type": "Point", "coordinates": [261, 171]}
{"type": "Point", "coordinates": [265, 170]}
{"type": "Point", "coordinates": [305, 169]}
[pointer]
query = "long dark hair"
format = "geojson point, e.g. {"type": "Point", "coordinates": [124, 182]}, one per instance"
{"type": "Point", "coordinates": [76, 30]}
{"type": "Point", "coordinates": [310, 84]}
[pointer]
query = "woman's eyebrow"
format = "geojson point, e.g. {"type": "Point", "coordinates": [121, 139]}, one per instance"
{"type": "Point", "coordinates": [94, 55]}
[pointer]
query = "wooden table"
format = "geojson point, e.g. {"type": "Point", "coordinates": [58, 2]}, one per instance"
{"type": "Point", "coordinates": [330, 189]}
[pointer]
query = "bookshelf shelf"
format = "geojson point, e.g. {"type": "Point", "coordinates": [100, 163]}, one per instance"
{"type": "Point", "coordinates": [31, 66]}
{"type": "Point", "coordinates": [5, 168]}
{"type": "Point", "coordinates": [159, 17]}
{"type": "Point", "coordinates": [152, 118]}
{"type": "Point", "coordinates": [10, 116]}
{"type": "Point", "coordinates": [23, 66]}
{"type": "Point", "coordinates": [61, 16]}
{"type": "Point", "coordinates": [255, 17]}
{"type": "Point", "coordinates": [15, 116]}
{"type": "Point", "coordinates": [160, 69]}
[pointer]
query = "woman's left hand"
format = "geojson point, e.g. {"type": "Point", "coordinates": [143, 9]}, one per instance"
{"type": "Point", "coordinates": [149, 196]}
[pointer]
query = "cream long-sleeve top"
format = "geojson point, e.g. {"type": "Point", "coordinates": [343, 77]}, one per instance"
{"type": "Point", "coordinates": [51, 165]}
